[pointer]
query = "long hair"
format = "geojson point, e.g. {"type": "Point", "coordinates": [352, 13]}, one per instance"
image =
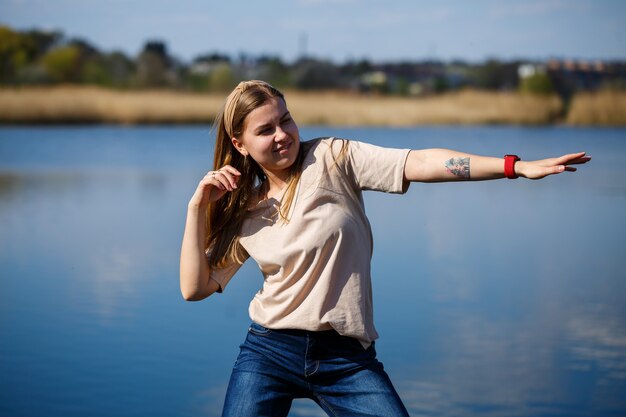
{"type": "Point", "coordinates": [226, 215]}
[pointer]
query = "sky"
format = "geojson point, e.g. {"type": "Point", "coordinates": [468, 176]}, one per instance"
{"type": "Point", "coordinates": [339, 30]}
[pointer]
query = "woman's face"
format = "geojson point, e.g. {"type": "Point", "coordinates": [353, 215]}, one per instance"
{"type": "Point", "coordinates": [270, 137]}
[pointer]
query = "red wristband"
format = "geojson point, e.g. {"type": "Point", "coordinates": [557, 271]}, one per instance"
{"type": "Point", "coordinates": [509, 166]}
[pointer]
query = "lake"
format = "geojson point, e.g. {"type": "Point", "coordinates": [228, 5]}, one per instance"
{"type": "Point", "coordinates": [498, 298]}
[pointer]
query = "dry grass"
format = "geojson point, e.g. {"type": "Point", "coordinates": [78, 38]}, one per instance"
{"type": "Point", "coordinates": [605, 108]}
{"type": "Point", "coordinates": [71, 104]}
{"type": "Point", "coordinates": [465, 107]}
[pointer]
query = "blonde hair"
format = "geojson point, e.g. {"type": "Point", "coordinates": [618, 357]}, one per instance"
{"type": "Point", "coordinates": [226, 215]}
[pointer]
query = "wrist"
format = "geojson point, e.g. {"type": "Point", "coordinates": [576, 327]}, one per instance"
{"type": "Point", "coordinates": [520, 169]}
{"type": "Point", "coordinates": [511, 166]}
{"type": "Point", "coordinates": [196, 207]}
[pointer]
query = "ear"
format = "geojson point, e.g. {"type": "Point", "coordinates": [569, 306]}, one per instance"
{"type": "Point", "coordinates": [239, 146]}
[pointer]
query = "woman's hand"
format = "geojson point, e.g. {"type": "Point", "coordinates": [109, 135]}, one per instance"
{"type": "Point", "coordinates": [535, 170]}
{"type": "Point", "coordinates": [214, 185]}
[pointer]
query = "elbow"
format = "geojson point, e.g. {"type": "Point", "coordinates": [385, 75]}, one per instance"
{"type": "Point", "coordinates": [198, 293]}
{"type": "Point", "coordinates": [189, 296]}
{"type": "Point", "coordinates": [415, 167]}
{"type": "Point", "coordinates": [193, 295]}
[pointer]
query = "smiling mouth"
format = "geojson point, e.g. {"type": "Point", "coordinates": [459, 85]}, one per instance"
{"type": "Point", "coordinates": [283, 148]}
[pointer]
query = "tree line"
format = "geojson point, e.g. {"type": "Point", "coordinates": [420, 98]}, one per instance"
{"type": "Point", "coordinates": [36, 57]}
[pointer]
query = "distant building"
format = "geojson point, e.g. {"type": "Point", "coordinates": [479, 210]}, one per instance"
{"type": "Point", "coordinates": [570, 76]}
{"type": "Point", "coordinates": [530, 70]}
{"type": "Point", "coordinates": [206, 64]}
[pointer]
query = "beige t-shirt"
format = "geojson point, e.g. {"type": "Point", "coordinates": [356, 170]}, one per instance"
{"type": "Point", "coordinates": [316, 267]}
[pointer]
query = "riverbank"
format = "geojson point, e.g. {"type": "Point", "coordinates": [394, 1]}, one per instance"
{"type": "Point", "coordinates": [83, 105]}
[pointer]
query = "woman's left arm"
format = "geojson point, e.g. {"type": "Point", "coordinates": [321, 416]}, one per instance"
{"type": "Point", "coordinates": [439, 165]}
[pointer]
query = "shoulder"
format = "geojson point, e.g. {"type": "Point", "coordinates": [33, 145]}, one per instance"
{"type": "Point", "coordinates": [326, 147]}
{"type": "Point", "coordinates": [315, 145]}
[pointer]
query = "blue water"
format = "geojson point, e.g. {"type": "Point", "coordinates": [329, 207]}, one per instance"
{"type": "Point", "coordinates": [501, 298]}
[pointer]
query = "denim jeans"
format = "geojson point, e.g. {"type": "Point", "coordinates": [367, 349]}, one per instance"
{"type": "Point", "coordinates": [276, 366]}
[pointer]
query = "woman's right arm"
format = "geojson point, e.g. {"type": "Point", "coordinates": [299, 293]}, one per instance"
{"type": "Point", "coordinates": [195, 283]}
{"type": "Point", "coordinates": [194, 267]}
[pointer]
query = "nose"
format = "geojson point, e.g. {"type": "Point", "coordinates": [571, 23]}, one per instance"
{"type": "Point", "coordinates": [281, 135]}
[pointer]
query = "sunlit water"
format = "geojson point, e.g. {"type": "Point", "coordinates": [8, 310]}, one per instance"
{"type": "Point", "coordinates": [503, 298]}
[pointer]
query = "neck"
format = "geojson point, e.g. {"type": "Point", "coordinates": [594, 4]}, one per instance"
{"type": "Point", "coordinates": [276, 183]}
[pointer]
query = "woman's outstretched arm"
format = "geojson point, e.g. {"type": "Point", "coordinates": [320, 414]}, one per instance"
{"type": "Point", "coordinates": [438, 165]}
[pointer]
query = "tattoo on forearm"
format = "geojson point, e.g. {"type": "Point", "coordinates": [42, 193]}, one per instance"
{"type": "Point", "coordinates": [459, 167]}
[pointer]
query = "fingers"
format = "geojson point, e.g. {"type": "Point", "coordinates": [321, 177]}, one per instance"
{"type": "Point", "coordinates": [581, 160]}
{"type": "Point", "coordinates": [228, 176]}
{"type": "Point", "coordinates": [214, 185]}
{"type": "Point", "coordinates": [563, 163]}
{"type": "Point", "coordinates": [225, 178]}
{"type": "Point", "coordinates": [573, 159]}
{"type": "Point", "coordinates": [230, 169]}
{"type": "Point", "coordinates": [542, 168]}
{"type": "Point", "coordinates": [551, 170]}
{"type": "Point", "coordinates": [566, 161]}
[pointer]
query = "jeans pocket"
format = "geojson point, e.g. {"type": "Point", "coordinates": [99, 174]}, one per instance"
{"type": "Point", "coordinates": [258, 330]}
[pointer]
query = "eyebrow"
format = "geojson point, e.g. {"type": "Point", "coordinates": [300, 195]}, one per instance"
{"type": "Point", "coordinates": [260, 128]}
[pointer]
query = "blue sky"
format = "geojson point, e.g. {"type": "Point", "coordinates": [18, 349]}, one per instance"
{"type": "Point", "coordinates": [340, 29]}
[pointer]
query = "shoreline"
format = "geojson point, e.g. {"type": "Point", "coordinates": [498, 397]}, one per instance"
{"type": "Point", "coordinates": [85, 105]}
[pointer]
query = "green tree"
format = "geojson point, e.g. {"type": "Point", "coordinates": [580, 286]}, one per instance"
{"type": "Point", "coordinates": [538, 83]}
{"type": "Point", "coordinates": [63, 64]}
{"type": "Point", "coordinates": [94, 71]}
{"type": "Point", "coordinates": [222, 78]}
{"type": "Point", "coordinates": [42, 41]}
{"type": "Point", "coordinates": [311, 74]}
{"type": "Point", "coordinates": [196, 82]}
{"type": "Point", "coordinates": [20, 53]}
{"type": "Point", "coordinates": [119, 68]}
{"type": "Point", "coordinates": [401, 87]}
{"type": "Point", "coordinates": [275, 71]}
{"type": "Point", "coordinates": [14, 53]}
{"type": "Point", "coordinates": [496, 75]}
{"type": "Point", "coordinates": [151, 70]}
{"type": "Point", "coordinates": [440, 84]}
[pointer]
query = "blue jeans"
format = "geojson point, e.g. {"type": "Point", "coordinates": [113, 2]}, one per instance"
{"type": "Point", "coordinates": [276, 366]}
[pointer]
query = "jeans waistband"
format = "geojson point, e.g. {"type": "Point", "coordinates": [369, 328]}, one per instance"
{"type": "Point", "coordinates": [297, 332]}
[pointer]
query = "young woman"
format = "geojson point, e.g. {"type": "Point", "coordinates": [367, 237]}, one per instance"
{"type": "Point", "coordinates": [296, 208]}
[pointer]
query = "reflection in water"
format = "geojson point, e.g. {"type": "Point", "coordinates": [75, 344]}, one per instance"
{"type": "Point", "coordinates": [13, 184]}
{"type": "Point", "coordinates": [597, 342]}
{"type": "Point", "coordinates": [100, 239]}
{"type": "Point", "coordinates": [113, 276]}
{"type": "Point", "coordinates": [488, 368]}
{"type": "Point", "coordinates": [488, 299]}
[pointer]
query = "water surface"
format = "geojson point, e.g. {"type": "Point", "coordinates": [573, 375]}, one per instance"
{"type": "Point", "coordinates": [500, 298]}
